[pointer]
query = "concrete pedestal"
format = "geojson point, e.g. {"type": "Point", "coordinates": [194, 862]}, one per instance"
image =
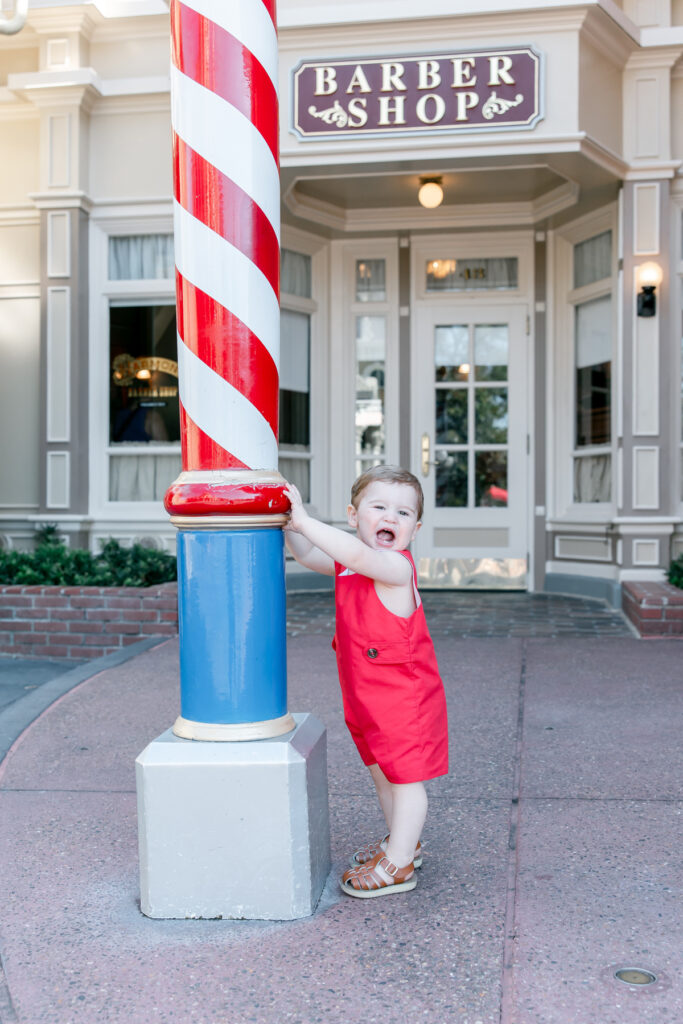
{"type": "Point", "coordinates": [234, 830]}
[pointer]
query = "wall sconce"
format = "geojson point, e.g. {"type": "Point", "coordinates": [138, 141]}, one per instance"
{"type": "Point", "coordinates": [430, 193]}
{"type": "Point", "coordinates": [648, 276]}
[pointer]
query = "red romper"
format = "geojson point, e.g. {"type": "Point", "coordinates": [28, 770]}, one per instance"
{"type": "Point", "coordinates": [394, 701]}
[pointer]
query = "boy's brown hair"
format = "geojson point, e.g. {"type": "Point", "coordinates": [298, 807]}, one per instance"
{"type": "Point", "coordinates": [387, 475]}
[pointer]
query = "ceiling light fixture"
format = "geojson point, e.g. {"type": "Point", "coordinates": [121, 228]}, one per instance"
{"type": "Point", "coordinates": [430, 193]}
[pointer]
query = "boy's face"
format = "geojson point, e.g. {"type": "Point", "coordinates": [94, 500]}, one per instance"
{"type": "Point", "coordinates": [386, 517]}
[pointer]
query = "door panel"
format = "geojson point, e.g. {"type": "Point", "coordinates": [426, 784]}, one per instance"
{"type": "Point", "coordinates": [472, 422]}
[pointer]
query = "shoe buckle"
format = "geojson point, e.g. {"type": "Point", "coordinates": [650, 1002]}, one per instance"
{"type": "Point", "coordinates": [385, 861]}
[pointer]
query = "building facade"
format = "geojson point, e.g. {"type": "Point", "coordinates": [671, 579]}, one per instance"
{"type": "Point", "coordinates": [507, 344]}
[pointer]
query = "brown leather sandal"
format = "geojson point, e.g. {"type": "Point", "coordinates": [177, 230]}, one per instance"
{"type": "Point", "coordinates": [366, 853]}
{"type": "Point", "coordinates": [366, 883]}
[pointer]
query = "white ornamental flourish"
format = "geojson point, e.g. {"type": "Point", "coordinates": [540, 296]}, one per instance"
{"type": "Point", "coordinates": [494, 105]}
{"type": "Point", "coordinates": [333, 115]}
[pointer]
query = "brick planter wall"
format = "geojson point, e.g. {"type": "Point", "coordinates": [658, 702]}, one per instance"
{"type": "Point", "coordinates": [83, 622]}
{"type": "Point", "coordinates": [655, 609]}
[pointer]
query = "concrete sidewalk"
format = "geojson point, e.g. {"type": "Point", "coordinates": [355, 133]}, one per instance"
{"type": "Point", "coordinates": [553, 856]}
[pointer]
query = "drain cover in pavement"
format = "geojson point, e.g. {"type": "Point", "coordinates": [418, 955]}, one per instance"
{"type": "Point", "coordinates": [635, 976]}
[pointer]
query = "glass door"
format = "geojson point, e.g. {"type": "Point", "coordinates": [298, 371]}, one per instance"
{"type": "Point", "coordinates": [472, 456]}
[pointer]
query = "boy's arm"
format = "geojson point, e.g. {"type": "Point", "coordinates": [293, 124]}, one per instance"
{"type": "Point", "coordinates": [307, 554]}
{"type": "Point", "coordinates": [386, 567]}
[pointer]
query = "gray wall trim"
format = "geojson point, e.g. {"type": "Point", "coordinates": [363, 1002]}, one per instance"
{"type": "Point", "coordinates": [586, 586]}
{"type": "Point", "coordinates": [667, 357]}
{"type": "Point", "coordinates": [404, 322]}
{"type": "Point", "coordinates": [539, 411]}
{"type": "Point", "coordinates": [77, 281]}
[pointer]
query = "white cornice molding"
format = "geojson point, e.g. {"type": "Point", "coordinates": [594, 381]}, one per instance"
{"type": "Point", "coordinates": [663, 169]}
{"type": "Point", "coordinates": [415, 218]}
{"type": "Point", "coordinates": [64, 200]}
{"type": "Point", "coordinates": [36, 82]}
{"type": "Point", "coordinates": [19, 216]}
{"type": "Point", "coordinates": [430, 33]}
{"type": "Point", "coordinates": [50, 20]}
{"type": "Point", "coordinates": [662, 57]}
{"type": "Point", "coordinates": [616, 46]}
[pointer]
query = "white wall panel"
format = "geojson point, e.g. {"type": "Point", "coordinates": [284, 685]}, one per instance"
{"type": "Point", "coordinates": [645, 478]}
{"type": "Point", "coordinates": [58, 363]}
{"type": "Point", "coordinates": [19, 402]}
{"type": "Point", "coordinates": [645, 375]}
{"type": "Point", "coordinates": [646, 219]}
{"type": "Point", "coordinates": [19, 254]}
{"type": "Point", "coordinates": [59, 155]}
{"type": "Point", "coordinates": [646, 552]}
{"type": "Point", "coordinates": [58, 244]}
{"type": "Point", "coordinates": [647, 121]}
{"type": "Point", "coordinates": [58, 472]}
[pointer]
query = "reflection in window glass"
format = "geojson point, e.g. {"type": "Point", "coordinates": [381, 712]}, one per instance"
{"type": "Point", "coordinates": [592, 478]}
{"type": "Point", "coordinates": [451, 479]}
{"type": "Point", "coordinates": [141, 257]}
{"type": "Point", "coordinates": [593, 355]}
{"type": "Point", "coordinates": [371, 281]}
{"type": "Point", "coordinates": [451, 352]}
{"type": "Point", "coordinates": [491, 351]}
{"type": "Point", "coordinates": [593, 259]}
{"type": "Point", "coordinates": [491, 415]}
{"type": "Point", "coordinates": [295, 274]}
{"type": "Point", "coordinates": [294, 378]}
{"type": "Point", "coordinates": [451, 416]}
{"type": "Point", "coordinates": [491, 479]}
{"type": "Point", "coordinates": [143, 378]}
{"type": "Point", "coordinates": [370, 371]}
{"type": "Point", "coordinates": [467, 275]}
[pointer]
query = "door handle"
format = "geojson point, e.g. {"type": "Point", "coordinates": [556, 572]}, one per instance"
{"type": "Point", "coordinates": [425, 455]}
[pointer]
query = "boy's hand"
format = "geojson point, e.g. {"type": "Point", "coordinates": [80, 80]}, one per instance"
{"type": "Point", "coordinates": [298, 513]}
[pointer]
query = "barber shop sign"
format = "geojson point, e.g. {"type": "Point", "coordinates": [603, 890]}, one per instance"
{"type": "Point", "coordinates": [472, 90]}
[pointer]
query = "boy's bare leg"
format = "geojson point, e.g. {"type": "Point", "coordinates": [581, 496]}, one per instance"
{"type": "Point", "coordinates": [384, 792]}
{"type": "Point", "coordinates": [409, 810]}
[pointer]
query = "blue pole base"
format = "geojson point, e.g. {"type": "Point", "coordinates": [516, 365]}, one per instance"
{"type": "Point", "coordinates": [231, 612]}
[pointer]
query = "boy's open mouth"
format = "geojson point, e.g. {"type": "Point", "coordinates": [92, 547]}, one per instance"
{"type": "Point", "coordinates": [386, 536]}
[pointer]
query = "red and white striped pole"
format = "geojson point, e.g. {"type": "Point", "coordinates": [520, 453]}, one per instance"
{"type": "Point", "coordinates": [228, 501]}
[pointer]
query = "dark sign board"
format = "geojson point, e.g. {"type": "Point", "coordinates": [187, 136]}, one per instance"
{"type": "Point", "coordinates": [468, 90]}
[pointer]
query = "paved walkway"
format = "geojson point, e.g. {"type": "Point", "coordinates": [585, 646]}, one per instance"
{"type": "Point", "coordinates": [553, 856]}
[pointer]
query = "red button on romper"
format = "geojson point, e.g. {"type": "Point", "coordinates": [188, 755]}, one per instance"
{"type": "Point", "coordinates": [394, 701]}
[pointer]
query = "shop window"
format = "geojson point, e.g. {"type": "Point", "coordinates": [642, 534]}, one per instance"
{"type": "Point", "coordinates": [141, 258]}
{"type": "Point", "coordinates": [295, 330]}
{"type": "Point", "coordinates": [144, 419]}
{"type": "Point", "coordinates": [295, 378]}
{"type": "Point", "coordinates": [371, 341]}
{"type": "Point", "coordinates": [593, 399]}
{"type": "Point", "coordinates": [468, 275]}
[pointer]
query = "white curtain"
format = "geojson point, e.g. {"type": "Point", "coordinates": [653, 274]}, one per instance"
{"type": "Point", "coordinates": [142, 477]}
{"type": "Point", "coordinates": [593, 259]}
{"type": "Point", "coordinates": [294, 356]}
{"type": "Point", "coordinates": [295, 274]}
{"type": "Point", "coordinates": [594, 332]}
{"type": "Point", "coordinates": [141, 257]}
{"type": "Point", "coordinates": [297, 472]}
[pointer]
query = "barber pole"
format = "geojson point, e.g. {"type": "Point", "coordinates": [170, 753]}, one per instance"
{"type": "Point", "coordinates": [228, 502]}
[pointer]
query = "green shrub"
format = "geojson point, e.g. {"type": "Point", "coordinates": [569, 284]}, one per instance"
{"type": "Point", "coordinates": [53, 564]}
{"type": "Point", "coordinates": [676, 572]}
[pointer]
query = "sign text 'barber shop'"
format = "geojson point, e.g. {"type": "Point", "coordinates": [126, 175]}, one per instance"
{"type": "Point", "coordinates": [478, 89]}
